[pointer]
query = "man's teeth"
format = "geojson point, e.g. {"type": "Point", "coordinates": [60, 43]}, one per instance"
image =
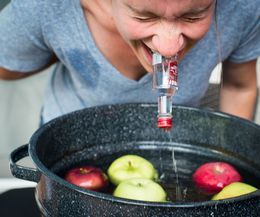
{"type": "Point", "coordinates": [150, 51]}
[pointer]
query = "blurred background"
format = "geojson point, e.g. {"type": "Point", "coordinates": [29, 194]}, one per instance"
{"type": "Point", "coordinates": [20, 105]}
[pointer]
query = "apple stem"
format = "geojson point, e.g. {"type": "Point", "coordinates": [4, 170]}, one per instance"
{"type": "Point", "coordinates": [129, 163]}
{"type": "Point", "coordinates": [82, 170]}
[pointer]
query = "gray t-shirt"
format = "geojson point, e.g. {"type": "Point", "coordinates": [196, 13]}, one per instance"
{"type": "Point", "coordinates": [32, 30]}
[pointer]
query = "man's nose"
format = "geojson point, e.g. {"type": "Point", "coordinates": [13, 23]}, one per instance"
{"type": "Point", "coordinates": [168, 39]}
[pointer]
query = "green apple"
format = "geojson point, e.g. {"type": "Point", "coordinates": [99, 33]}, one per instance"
{"type": "Point", "coordinates": [140, 189]}
{"type": "Point", "coordinates": [234, 189]}
{"type": "Point", "coordinates": [131, 166]}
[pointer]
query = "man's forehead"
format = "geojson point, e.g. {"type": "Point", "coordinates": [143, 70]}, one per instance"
{"type": "Point", "coordinates": [168, 7]}
{"type": "Point", "coordinates": [165, 2]}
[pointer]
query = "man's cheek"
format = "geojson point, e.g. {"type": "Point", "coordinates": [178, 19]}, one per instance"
{"type": "Point", "coordinates": [131, 31]}
{"type": "Point", "coordinates": [197, 33]}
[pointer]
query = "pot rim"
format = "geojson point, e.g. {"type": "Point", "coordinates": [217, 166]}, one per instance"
{"type": "Point", "coordinates": [46, 172]}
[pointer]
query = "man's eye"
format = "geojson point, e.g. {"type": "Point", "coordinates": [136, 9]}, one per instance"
{"type": "Point", "coordinates": [191, 19]}
{"type": "Point", "coordinates": [145, 19]}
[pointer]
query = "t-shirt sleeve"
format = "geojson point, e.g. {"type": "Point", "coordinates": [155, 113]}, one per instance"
{"type": "Point", "coordinates": [249, 46]}
{"type": "Point", "coordinates": [22, 44]}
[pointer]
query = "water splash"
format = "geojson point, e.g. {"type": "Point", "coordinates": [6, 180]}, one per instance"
{"type": "Point", "coordinates": [175, 168]}
{"type": "Point", "coordinates": [160, 159]}
{"type": "Point", "coordinates": [177, 188]}
{"type": "Point", "coordinates": [185, 190]}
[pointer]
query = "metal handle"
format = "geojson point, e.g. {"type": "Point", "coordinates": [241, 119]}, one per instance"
{"type": "Point", "coordinates": [22, 172]}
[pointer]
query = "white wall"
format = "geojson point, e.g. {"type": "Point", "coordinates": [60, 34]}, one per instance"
{"type": "Point", "coordinates": [20, 105]}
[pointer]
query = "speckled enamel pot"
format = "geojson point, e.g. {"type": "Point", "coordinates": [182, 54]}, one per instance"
{"type": "Point", "coordinates": [99, 135]}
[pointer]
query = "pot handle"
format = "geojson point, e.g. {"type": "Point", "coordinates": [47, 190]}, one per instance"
{"type": "Point", "coordinates": [22, 172]}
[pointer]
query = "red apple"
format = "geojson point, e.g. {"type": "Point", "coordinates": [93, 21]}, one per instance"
{"type": "Point", "coordinates": [212, 177]}
{"type": "Point", "coordinates": [87, 177]}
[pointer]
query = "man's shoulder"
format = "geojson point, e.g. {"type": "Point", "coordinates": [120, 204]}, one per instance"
{"type": "Point", "coordinates": [239, 14]}
{"type": "Point", "coordinates": [240, 7]}
{"type": "Point", "coordinates": [40, 4]}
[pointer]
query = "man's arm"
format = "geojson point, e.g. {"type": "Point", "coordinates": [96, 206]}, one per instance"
{"type": "Point", "coordinates": [11, 75]}
{"type": "Point", "coordinates": [6, 74]}
{"type": "Point", "coordinates": [239, 90]}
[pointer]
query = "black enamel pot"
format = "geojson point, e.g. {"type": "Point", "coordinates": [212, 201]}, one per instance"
{"type": "Point", "coordinates": [99, 135]}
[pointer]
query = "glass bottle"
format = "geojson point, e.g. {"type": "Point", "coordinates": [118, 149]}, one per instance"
{"type": "Point", "coordinates": [165, 75]}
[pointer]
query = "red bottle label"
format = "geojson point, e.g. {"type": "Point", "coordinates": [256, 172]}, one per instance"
{"type": "Point", "coordinates": [173, 73]}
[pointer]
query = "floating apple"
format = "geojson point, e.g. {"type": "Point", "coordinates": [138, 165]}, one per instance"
{"type": "Point", "coordinates": [87, 177]}
{"type": "Point", "coordinates": [140, 189]}
{"type": "Point", "coordinates": [130, 166]}
{"type": "Point", "coordinates": [234, 190]}
{"type": "Point", "coordinates": [214, 176]}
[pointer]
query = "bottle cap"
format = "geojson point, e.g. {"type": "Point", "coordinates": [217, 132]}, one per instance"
{"type": "Point", "coordinates": [164, 123]}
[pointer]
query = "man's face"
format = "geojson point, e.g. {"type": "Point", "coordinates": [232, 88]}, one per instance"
{"type": "Point", "coordinates": [165, 26]}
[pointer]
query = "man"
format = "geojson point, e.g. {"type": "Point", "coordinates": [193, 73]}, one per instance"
{"type": "Point", "coordinates": [103, 49]}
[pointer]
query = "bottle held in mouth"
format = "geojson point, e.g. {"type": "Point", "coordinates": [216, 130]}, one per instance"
{"type": "Point", "coordinates": [165, 75]}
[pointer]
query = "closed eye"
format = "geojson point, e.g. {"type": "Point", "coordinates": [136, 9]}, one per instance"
{"type": "Point", "coordinates": [191, 19]}
{"type": "Point", "coordinates": [145, 19]}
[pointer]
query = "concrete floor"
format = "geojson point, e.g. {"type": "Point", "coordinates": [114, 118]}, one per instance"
{"type": "Point", "coordinates": [20, 103]}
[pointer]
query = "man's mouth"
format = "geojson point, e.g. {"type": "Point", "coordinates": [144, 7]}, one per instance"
{"type": "Point", "coordinates": [148, 49]}
{"type": "Point", "coordinates": [148, 52]}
